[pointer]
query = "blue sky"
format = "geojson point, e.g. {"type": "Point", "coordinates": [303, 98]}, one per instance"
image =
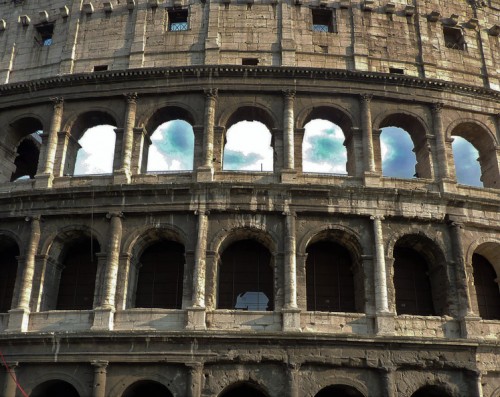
{"type": "Point", "coordinates": [249, 148]}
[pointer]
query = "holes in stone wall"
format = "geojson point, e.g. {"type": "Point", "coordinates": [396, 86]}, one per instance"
{"type": "Point", "coordinates": [242, 390]}
{"type": "Point", "coordinates": [487, 289]}
{"type": "Point", "coordinates": [96, 154]}
{"type": "Point", "coordinates": [250, 61]}
{"type": "Point", "coordinates": [248, 147]}
{"type": "Point", "coordinates": [398, 157]}
{"type": "Point", "coordinates": [177, 20]}
{"type": "Point", "coordinates": [467, 167]}
{"type": "Point", "coordinates": [54, 388]}
{"type": "Point", "coordinates": [9, 252]}
{"type": "Point", "coordinates": [324, 20]}
{"type": "Point", "coordinates": [323, 149]}
{"type": "Point", "coordinates": [453, 38]}
{"type": "Point", "coordinates": [26, 161]}
{"type": "Point", "coordinates": [44, 33]}
{"type": "Point", "coordinates": [339, 391]}
{"type": "Point", "coordinates": [172, 147]}
{"type": "Point", "coordinates": [246, 277]}
{"type": "Point", "coordinates": [147, 388]}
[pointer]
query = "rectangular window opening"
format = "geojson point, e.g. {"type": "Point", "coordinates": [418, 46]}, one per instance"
{"type": "Point", "coordinates": [44, 34]}
{"type": "Point", "coordinates": [396, 71]}
{"type": "Point", "coordinates": [324, 20]}
{"type": "Point", "coordinates": [453, 38]}
{"type": "Point", "coordinates": [250, 61]}
{"type": "Point", "coordinates": [100, 68]}
{"type": "Point", "coordinates": [177, 20]}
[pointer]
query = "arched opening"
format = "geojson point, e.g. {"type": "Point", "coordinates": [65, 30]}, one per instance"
{"type": "Point", "coordinates": [27, 156]}
{"type": "Point", "coordinates": [246, 277]}
{"type": "Point", "coordinates": [467, 167]}
{"type": "Point", "coordinates": [431, 391]}
{"type": "Point", "coordinates": [54, 388]}
{"type": "Point", "coordinates": [485, 144]}
{"type": "Point", "coordinates": [161, 272]}
{"type": "Point", "coordinates": [9, 251]}
{"type": "Point", "coordinates": [411, 283]}
{"type": "Point", "coordinates": [248, 147]}
{"type": "Point", "coordinates": [91, 147]}
{"type": "Point", "coordinates": [21, 150]}
{"type": "Point", "coordinates": [97, 151]}
{"type": "Point", "coordinates": [339, 391]}
{"type": "Point", "coordinates": [329, 278]}
{"type": "Point", "coordinates": [323, 149]}
{"type": "Point", "coordinates": [147, 388]}
{"type": "Point", "coordinates": [172, 147]}
{"type": "Point", "coordinates": [404, 150]}
{"type": "Point", "coordinates": [398, 158]}
{"type": "Point", "coordinates": [487, 290]}
{"type": "Point", "coordinates": [243, 390]}
{"type": "Point", "coordinates": [77, 279]}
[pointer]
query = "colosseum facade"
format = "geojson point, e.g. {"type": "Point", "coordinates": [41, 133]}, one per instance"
{"type": "Point", "coordinates": [133, 283]}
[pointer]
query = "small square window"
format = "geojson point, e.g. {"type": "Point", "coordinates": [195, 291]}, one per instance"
{"type": "Point", "coordinates": [177, 20]}
{"type": "Point", "coordinates": [44, 34]}
{"type": "Point", "coordinates": [250, 61]}
{"type": "Point", "coordinates": [100, 68]}
{"type": "Point", "coordinates": [323, 20]}
{"type": "Point", "coordinates": [396, 70]}
{"type": "Point", "coordinates": [453, 38]}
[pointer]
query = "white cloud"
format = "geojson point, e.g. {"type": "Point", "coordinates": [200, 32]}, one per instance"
{"type": "Point", "coordinates": [97, 152]}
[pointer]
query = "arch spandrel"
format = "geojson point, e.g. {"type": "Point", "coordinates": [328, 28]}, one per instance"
{"type": "Point", "coordinates": [486, 247]}
{"type": "Point", "coordinates": [339, 380]}
{"type": "Point", "coordinates": [15, 238]}
{"type": "Point", "coordinates": [412, 122]}
{"type": "Point", "coordinates": [76, 122]}
{"type": "Point", "coordinates": [334, 113]}
{"type": "Point", "coordinates": [335, 232]}
{"type": "Point", "coordinates": [53, 243]}
{"type": "Point", "coordinates": [248, 111]}
{"type": "Point", "coordinates": [151, 119]}
{"type": "Point", "coordinates": [79, 383]}
{"type": "Point", "coordinates": [259, 387]}
{"type": "Point", "coordinates": [248, 230]}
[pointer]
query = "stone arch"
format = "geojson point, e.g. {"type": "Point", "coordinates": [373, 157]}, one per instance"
{"type": "Point", "coordinates": [77, 383]}
{"type": "Point", "coordinates": [20, 148]}
{"type": "Point", "coordinates": [52, 245]}
{"type": "Point", "coordinates": [144, 387]}
{"type": "Point", "coordinates": [434, 390]}
{"type": "Point", "coordinates": [9, 234]}
{"type": "Point", "coordinates": [487, 247]}
{"type": "Point", "coordinates": [334, 380]}
{"type": "Point", "coordinates": [171, 111]}
{"type": "Point", "coordinates": [348, 250]}
{"type": "Point", "coordinates": [485, 142]}
{"type": "Point", "coordinates": [249, 111]}
{"type": "Point", "coordinates": [336, 115]}
{"type": "Point", "coordinates": [432, 253]}
{"type": "Point", "coordinates": [120, 387]}
{"type": "Point", "coordinates": [418, 130]}
{"type": "Point", "coordinates": [248, 384]}
{"type": "Point", "coordinates": [496, 393]}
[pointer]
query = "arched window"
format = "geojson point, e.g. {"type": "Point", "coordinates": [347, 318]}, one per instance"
{"type": "Point", "coordinates": [53, 388]}
{"type": "Point", "coordinates": [467, 167]}
{"type": "Point", "coordinates": [21, 142]}
{"type": "Point", "coordinates": [466, 158]}
{"type": "Point", "coordinates": [411, 283]}
{"type": "Point", "coordinates": [339, 391]}
{"type": "Point", "coordinates": [242, 390]}
{"type": "Point", "coordinates": [431, 391]}
{"type": "Point", "coordinates": [323, 149]}
{"type": "Point", "coordinates": [172, 147]}
{"type": "Point", "coordinates": [246, 277]}
{"type": "Point", "coordinates": [329, 278]}
{"type": "Point", "coordinates": [8, 266]}
{"type": "Point", "coordinates": [248, 147]}
{"type": "Point", "coordinates": [398, 158]}
{"type": "Point", "coordinates": [97, 151]}
{"type": "Point", "coordinates": [159, 283]}
{"type": "Point", "coordinates": [78, 275]}
{"type": "Point", "coordinates": [147, 388]}
{"type": "Point", "coordinates": [487, 291]}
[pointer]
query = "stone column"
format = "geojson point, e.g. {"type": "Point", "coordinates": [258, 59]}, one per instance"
{"type": "Point", "coordinates": [293, 380]}
{"type": "Point", "coordinates": [291, 313]}
{"type": "Point", "coordinates": [288, 129]}
{"type": "Point", "coordinates": [443, 171]}
{"type": "Point", "coordinates": [103, 318]}
{"type": "Point", "coordinates": [19, 317]}
{"type": "Point", "coordinates": [370, 173]}
{"type": "Point", "coordinates": [194, 382]}
{"type": "Point", "coordinates": [47, 175]}
{"type": "Point", "coordinates": [389, 382]}
{"type": "Point", "coordinates": [100, 371]}
{"type": "Point", "coordinates": [10, 386]}
{"type": "Point", "coordinates": [196, 313]}
{"type": "Point", "coordinates": [478, 384]}
{"type": "Point", "coordinates": [123, 175]}
{"type": "Point", "coordinates": [205, 172]}
{"type": "Point", "coordinates": [384, 319]}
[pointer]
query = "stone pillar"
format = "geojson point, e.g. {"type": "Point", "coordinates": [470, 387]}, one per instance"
{"type": "Point", "coordinates": [123, 175]}
{"type": "Point", "coordinates": [100, 371]}
{"type": "Point", "coordinates": [293, 380]}
{"type": "Point", "coordinates": [19, 317]}
{"type": "Point", "coordinates": [45, 178]}
{"type": "Point", "coordinates": [10, 383]}
{"type": "Point", "coordinates": [196, 313]}
{"type": "Point", "coordinates": [103, 317]}
{"type": "Point", "coordinates": [194, 382]}
{"type": "Point", "coordinates": [291, 313]}
{"type": "Point", "coordinates": [288, 130]}
{"type": "Point", "coordinates": [478, 384]}
{"type": "Point", "coordinates": [443, 171]}
{"type": "Point", "coordinates": [384, 319]}
{"type": "Point", "coordinates": [371, 176]}
{"type": "Point", "coordinates": [206, 171]}
{"type": "Point", "coordinates": [388, 382]}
